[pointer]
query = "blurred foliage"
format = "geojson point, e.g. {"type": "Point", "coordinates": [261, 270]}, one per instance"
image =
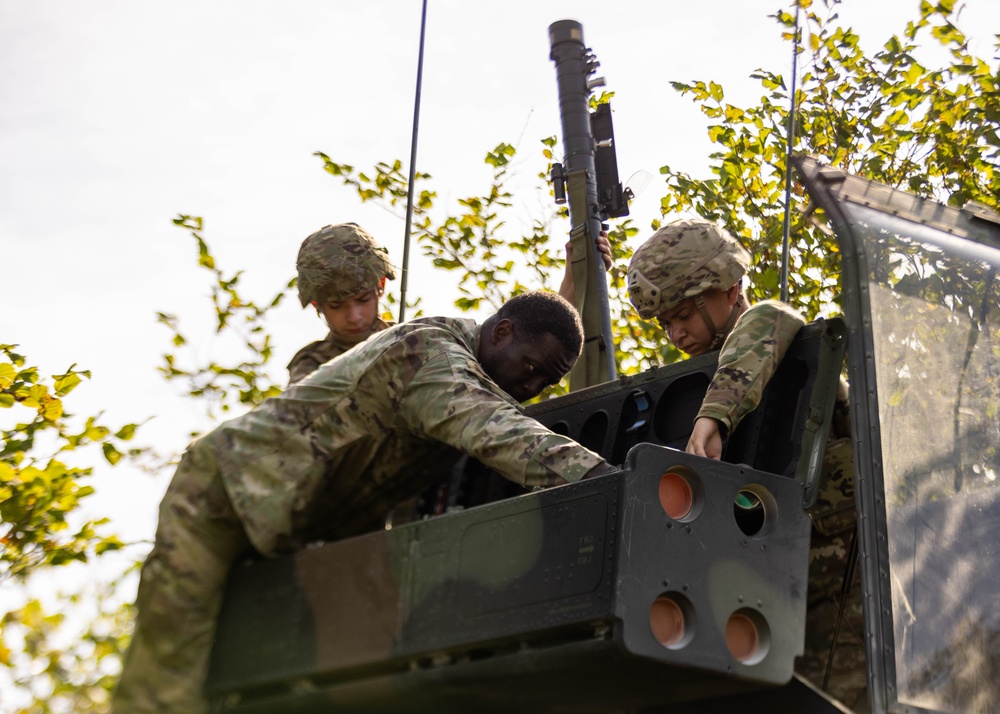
{"type": "Point", "coordinates": [39, 485]}
{"type": "Point", "coordinates": [42, 526]}
{"type": "Point", "coordinates": [56, 668]}
{"type": "Point", "coordinates": [219, 386]}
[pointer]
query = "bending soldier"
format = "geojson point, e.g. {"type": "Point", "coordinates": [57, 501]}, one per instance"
{"type": "Point", "coordinates": [688, 277]}
{"type": "Point", "coordinates": [341, 272]}
{"type": "Point", "coordinates": [327, 458]}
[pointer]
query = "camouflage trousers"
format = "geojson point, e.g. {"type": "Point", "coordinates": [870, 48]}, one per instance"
{"type": "Point", "coordinates": [830, 555]}
{"type": "Point", "coordinates": [198, 539]}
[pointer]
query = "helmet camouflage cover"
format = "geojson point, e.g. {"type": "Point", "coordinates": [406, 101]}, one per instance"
{"type": "Point", "coordinates": [682, 260]}
{"type": "Point", "coordinates": [339, 261]}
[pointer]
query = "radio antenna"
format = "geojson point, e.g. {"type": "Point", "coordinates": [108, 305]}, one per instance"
{"type": "Point", "coordinates": [786, 228]}
{"type": "Point", "coordinates": [413, 165]}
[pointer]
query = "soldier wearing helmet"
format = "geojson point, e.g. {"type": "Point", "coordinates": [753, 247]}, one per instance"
{"type": "Point", "coordinates": [690, 268]}
{"type": "Point", "coordinates": [325, 459]}
{"type": "Point", "coordinates": [341, 272]}
{"type": "Point", "coordinates": [688, 277]}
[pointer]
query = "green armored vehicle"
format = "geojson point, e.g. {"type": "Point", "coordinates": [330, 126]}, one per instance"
{"type": "Point", "coordinates": [652, 589]}
{"type": "Point", "coordinates": [678, 583]}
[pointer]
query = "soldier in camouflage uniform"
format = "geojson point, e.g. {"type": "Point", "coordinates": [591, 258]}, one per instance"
{"type": "Point", "coordinates": [341, 272]}
{"type": "Point", "coordinates": [688, 277]}
{"type": "Point", "coordinates": [327, 458]}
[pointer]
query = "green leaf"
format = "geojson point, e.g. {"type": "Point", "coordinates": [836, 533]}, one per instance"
{"type": "Point", "coordinates": [7, 374]}
{"type": "Point", "coordinates": [126, 432]}
{"type": "Point", "coordinates": [112, 454]}
{"type": "Point", "coordinates": [66, 383]}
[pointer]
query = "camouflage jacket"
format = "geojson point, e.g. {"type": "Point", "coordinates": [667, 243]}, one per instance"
{"type": "Point", "coordinates": [748, 359]}
{"type": "Point", "coordinates": [310, 357]}
{"type": "Point", "coordinates": [331, 455]}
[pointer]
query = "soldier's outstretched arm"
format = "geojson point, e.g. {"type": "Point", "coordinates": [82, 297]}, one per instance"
{"type": "Point", "coordinates": [452, 400]}
{"type": "Point", "coordinates": [748, 359]}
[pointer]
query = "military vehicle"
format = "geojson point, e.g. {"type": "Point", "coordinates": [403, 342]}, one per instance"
{"type": "Point", "coordinates": [678, 583]}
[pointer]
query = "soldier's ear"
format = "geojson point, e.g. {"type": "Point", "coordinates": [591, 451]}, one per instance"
{"type": "Point", "coordinates": [503, 330]}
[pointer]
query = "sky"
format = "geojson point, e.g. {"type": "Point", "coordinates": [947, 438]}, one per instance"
{"type": "Point", "coordinates": [117, 116]}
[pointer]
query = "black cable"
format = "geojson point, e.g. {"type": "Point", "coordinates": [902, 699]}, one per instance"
{"type": "Point", "coordinates": [413, 165]}
{"type": "Point", "coordinates": [845, 590]}
{"type": "Point", "coordinates": [787, 223]}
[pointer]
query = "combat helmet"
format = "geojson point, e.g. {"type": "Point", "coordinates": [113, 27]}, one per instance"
{"type": "Point", "coordinates": [339, 261]}
{"type": "Point", "coordinates": [684, 259]}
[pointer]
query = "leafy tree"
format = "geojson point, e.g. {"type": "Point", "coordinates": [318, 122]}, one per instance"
{"type": "Point", "coordinates": [221, 387]}
{"type": "Point", "coordinates": [55, 667]}
{"type": "Point", "coordinates": [886, 117]}
{"type": "Point", "coordinates": [38, 490]}
{"type": "Point", "coordinates": [42, 485]}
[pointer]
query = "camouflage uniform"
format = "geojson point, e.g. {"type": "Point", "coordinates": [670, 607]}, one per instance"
{"type": "Point", "coordinates": [834, 526]}
{"type": "Point", "coordinates": [198, 538]}
{"type": "Point", "coordinates": [749, 356]}
{"type": "Point", "coordinates": [683, 260]}
{"type": "Point", "coordinates": [336, 263]}
{"type": "Point", "coordinates": [324, 460]}
{"type": "Point", "coordinates": [309, 358]}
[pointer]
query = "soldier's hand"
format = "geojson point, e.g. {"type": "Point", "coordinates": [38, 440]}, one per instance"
{"type": "Point", "coordinates": [604, 247]}
{"type": "Point", "coordinates": [568, 288]}
{"type": "Point", "coordinates": [706, 439]}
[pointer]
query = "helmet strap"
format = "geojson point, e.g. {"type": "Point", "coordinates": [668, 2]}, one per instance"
{"type": "Point", "coordinates": [713, 331]}
{"type": "Point", "coordinates": [719, 336]}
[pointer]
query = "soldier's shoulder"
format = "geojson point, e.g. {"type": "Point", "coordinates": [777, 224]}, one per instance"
{"type": "Point", "coordinates": [774, 310]}
{"type": "Point", "coordinates": [443, 330]}
{"type": "Point", "coordinates": [313, 355]}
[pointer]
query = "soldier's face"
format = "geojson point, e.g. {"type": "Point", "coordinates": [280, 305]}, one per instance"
{"type": "Point", "coordinates": [685, 326]}
{"type": "Point", "coordinates": [351, 320]}
{"type": "Point", "coordinates": [524, 367]}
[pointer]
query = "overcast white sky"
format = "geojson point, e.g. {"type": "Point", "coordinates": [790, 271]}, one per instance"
{"type": "Point", "coordinates": [115, 116]}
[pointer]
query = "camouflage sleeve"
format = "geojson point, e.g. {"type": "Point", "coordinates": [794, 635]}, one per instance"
{"type": "Point", "coordinates": [302, 365]}
{"type": "Point", "coordinates": [452, 400]}
{"type": "Point", "coordinates": [309, 358]}
{"type": "Point", "coordinates": [749, 356]}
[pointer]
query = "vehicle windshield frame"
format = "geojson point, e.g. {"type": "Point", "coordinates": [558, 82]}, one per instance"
{"type": "Point", "coordinates": [915, 271]}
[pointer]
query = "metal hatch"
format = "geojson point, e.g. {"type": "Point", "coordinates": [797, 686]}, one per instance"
{"type": "Point", "coordinates": [921, 297]}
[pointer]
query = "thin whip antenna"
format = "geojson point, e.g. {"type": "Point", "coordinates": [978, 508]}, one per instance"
{"type": "Point", "coordinates": [413, 167]}
{"type": "Point", "coordinates": [786, 228]}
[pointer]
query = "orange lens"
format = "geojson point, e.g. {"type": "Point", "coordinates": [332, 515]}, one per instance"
{"type": "Point", "coordinates": [676, 496]}
{"type": "Point", "coordinates": [742, 637]}
{"type": "Point", "coordinates": [667, 621]}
